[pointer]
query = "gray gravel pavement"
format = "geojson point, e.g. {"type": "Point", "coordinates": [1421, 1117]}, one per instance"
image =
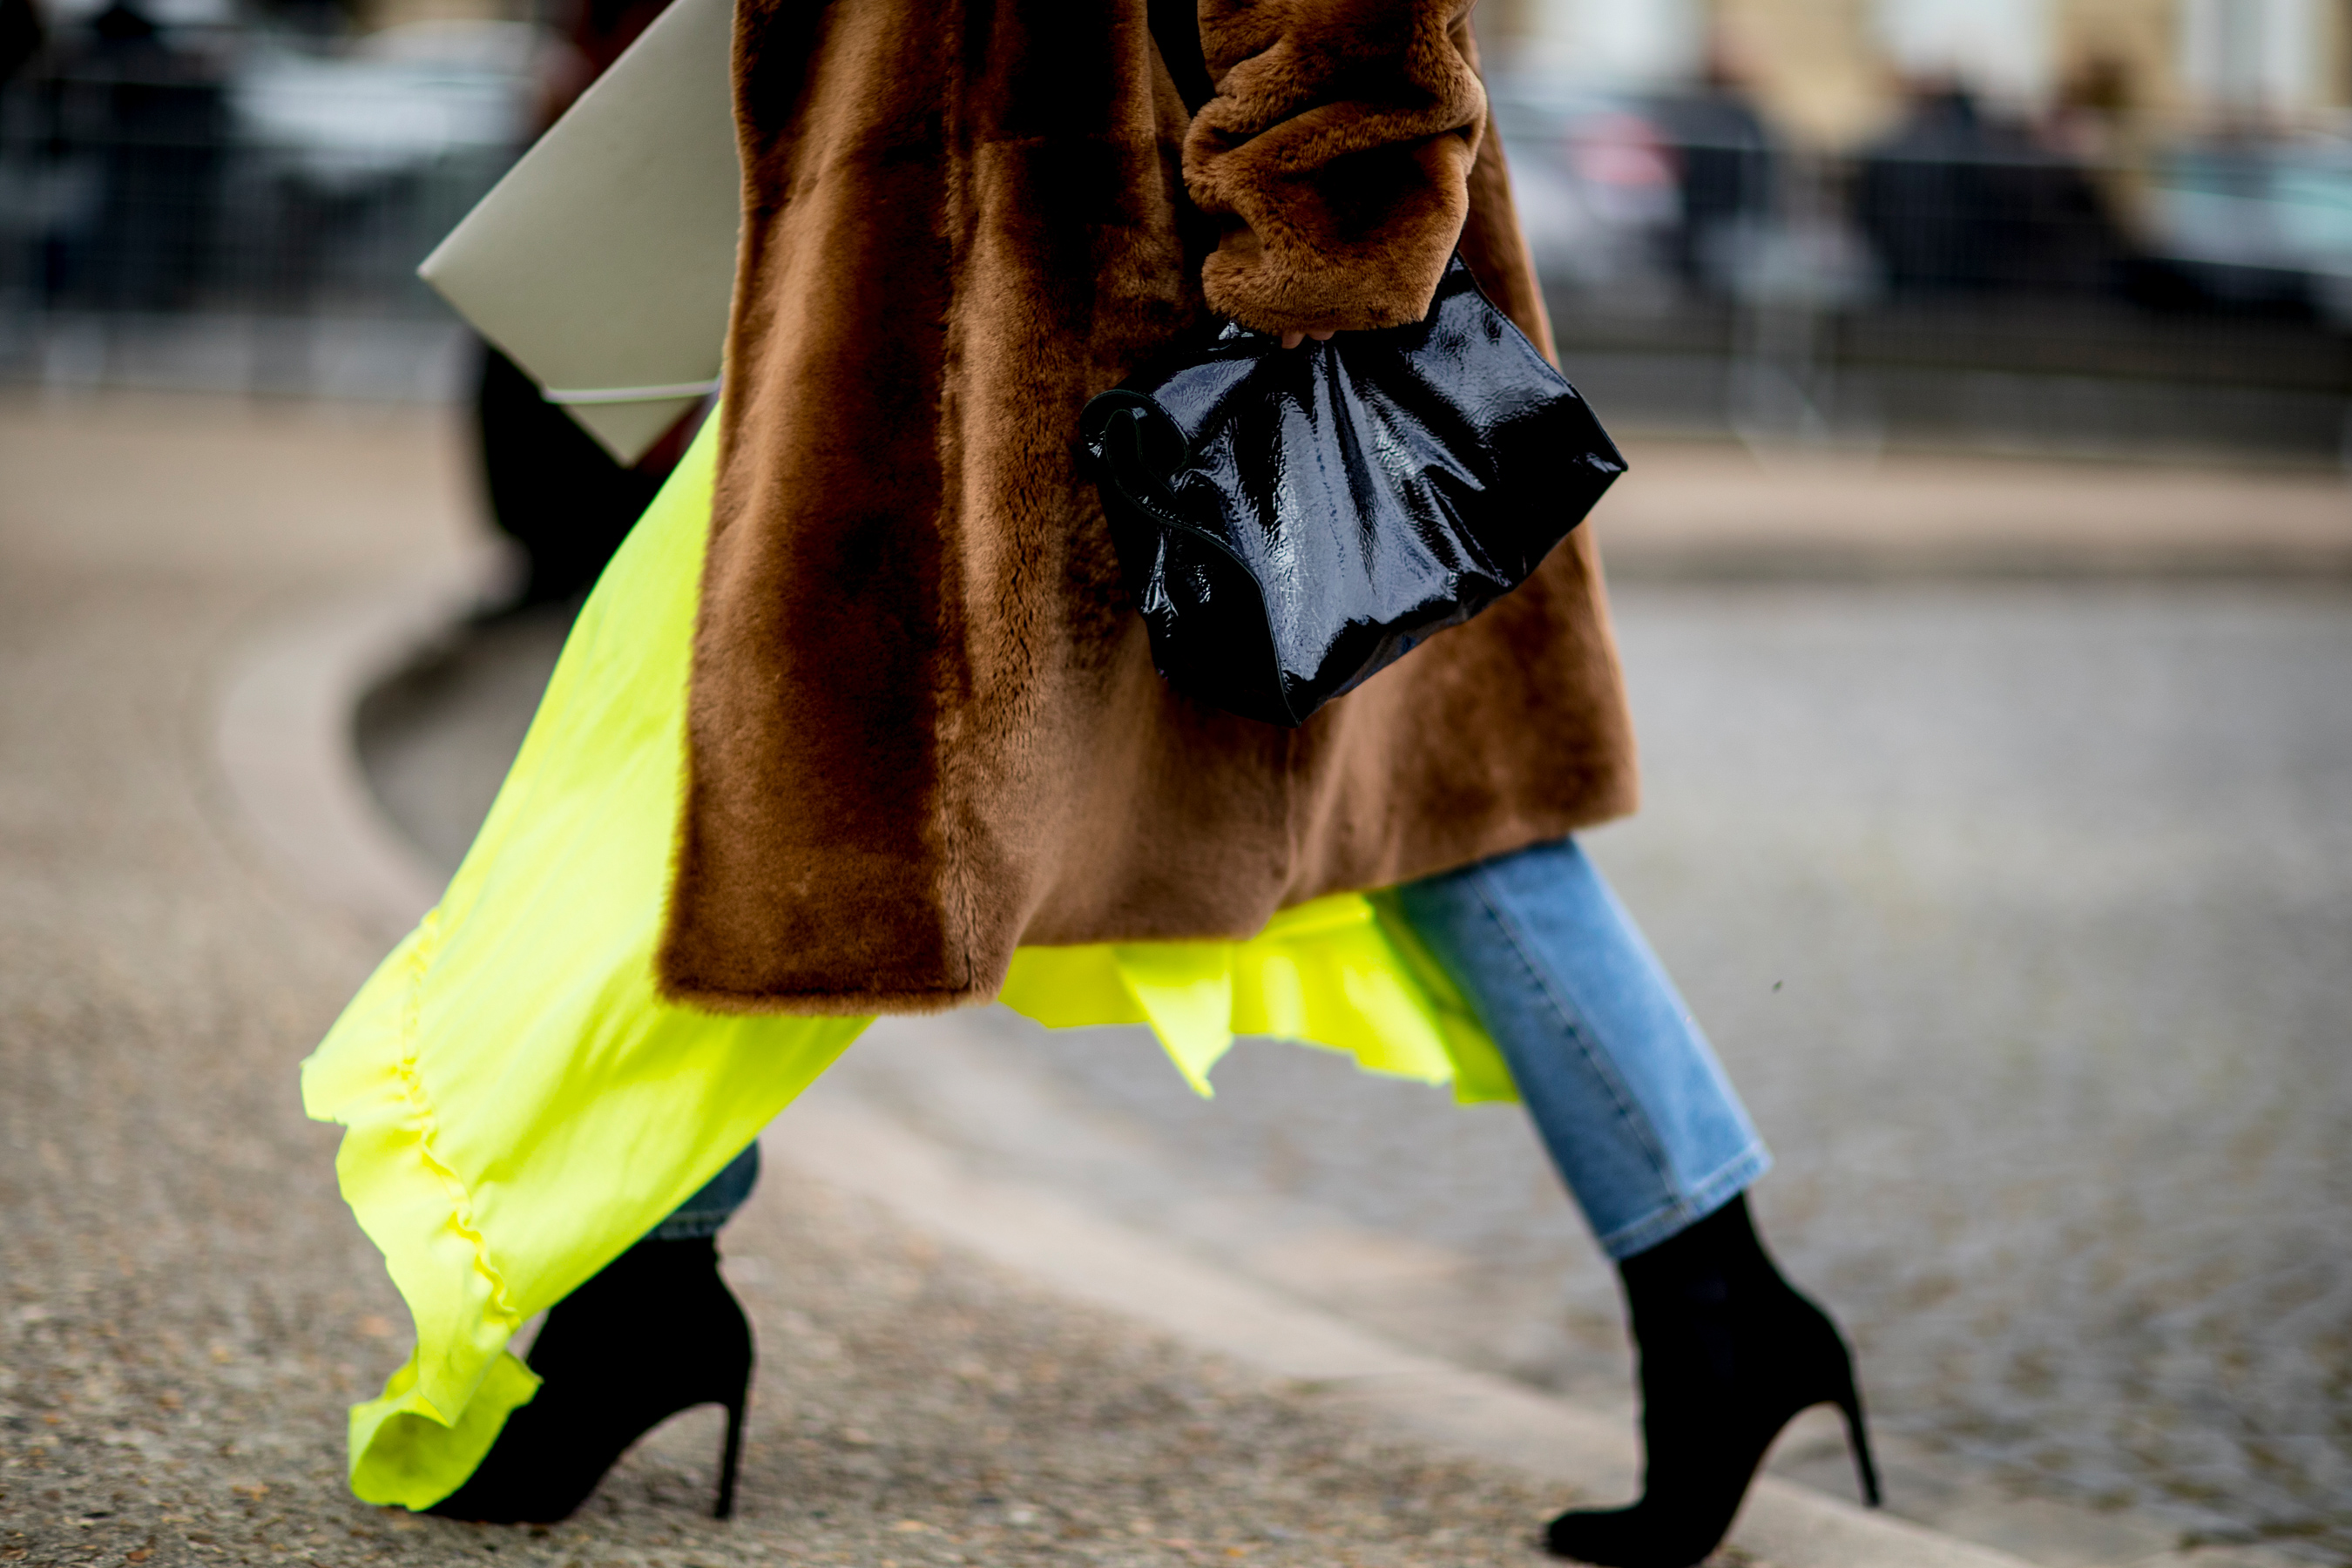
{"type": "Point", "coordinates": [183, 1309]}
{"type": "Point", "coordinates": [2024, 918]}
{"type": "Point", "coordinates": [2022, 913]}
{"type": "Point", "coordinates": [2056, 1072]}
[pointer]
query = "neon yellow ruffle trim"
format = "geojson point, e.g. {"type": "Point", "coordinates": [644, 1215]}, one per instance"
{"type": "Point", "coordinates": [522, 1105]}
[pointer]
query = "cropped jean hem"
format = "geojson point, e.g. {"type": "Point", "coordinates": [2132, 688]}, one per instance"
{"type": "Point", "coordinates": [1707, 1195]}
{"type": "Point", "coordinates": [685, 1227]}
{"type": "Point", "coordinates": [709, 1210]}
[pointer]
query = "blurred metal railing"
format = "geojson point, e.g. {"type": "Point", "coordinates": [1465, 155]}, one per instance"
{"type": "Point", "coordinates": [236, 213]}
{"type": "Point", "coordinates": [237, 210]}
{"type": "Point", "coordinates": [1958, 281]}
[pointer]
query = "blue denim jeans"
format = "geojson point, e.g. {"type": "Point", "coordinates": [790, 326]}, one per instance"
{"type": "Point", "coordinates": [1625, 1089]}
{"type": "Point", "coordinates": [714, 1203]}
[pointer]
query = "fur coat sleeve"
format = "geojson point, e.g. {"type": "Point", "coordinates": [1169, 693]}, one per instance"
{"type": "Point", "coordinates": [1335, 157]}
{"type": "Point", "coordinates": [923, 725]}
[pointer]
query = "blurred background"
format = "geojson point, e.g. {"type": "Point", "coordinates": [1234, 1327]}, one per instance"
{"type": "Point", "coordinates": [196, 193]}
{"type": "Point", "coordinates": [1984, 577]}
{"type": "Point", "coordinates": [2043, 222]}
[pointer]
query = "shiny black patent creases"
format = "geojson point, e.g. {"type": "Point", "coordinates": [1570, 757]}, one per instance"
{"type": "Point", "coordinates": [1291, 520]}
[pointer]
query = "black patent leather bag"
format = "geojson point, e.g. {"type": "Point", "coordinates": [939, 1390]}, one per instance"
{"type": "Point", "coordinates": [1291, 521]}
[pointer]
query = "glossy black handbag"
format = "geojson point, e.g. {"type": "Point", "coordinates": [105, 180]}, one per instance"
{"type": "Point", "coordinates": [1290, 521]}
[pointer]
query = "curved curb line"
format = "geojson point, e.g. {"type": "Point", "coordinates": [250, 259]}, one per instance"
{"type": "Point", "coordinates": [282, 740]}
{"type": "Point", "coordinates": [1045, 1237]}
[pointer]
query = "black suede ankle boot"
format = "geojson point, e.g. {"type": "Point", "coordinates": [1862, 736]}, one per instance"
{"type": "Point", "coordinates": [1729, 1354]}
{"type": "Point", "coordinates": [655, 1332]}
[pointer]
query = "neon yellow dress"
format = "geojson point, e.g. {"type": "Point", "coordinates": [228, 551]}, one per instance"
{"type": "Point", "coordinates": [521, 1106]}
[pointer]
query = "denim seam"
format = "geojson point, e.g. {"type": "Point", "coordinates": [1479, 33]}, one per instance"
{"type": "Point", "coordinates": [1709, 1194]}
{"type": "Point", "coordinates": [1621, 1097]}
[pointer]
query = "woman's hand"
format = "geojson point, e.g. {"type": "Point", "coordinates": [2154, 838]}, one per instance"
{"type": "Point", "coordinates": [1320, 334]}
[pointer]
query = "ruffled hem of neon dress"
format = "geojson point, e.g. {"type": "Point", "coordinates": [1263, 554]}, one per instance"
{"type": "Point", "coordinates": [522, 1105]}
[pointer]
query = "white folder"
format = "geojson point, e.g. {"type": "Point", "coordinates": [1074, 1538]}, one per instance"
{"type": "Point", "coordinates": [604, 264]}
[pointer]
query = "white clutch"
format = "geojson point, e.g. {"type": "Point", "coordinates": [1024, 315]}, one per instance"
{"type": "Point", "coordinates": [604, 264]}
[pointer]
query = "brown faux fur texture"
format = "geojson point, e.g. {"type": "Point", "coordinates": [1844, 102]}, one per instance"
{"type": "Point", "coordinates": [923, 726]}
{"type": "Point", "coordinates": [1335, 157]}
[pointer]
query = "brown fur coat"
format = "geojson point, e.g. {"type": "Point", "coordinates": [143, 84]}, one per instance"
{"type": "Point", "coordinates": [924, 726]}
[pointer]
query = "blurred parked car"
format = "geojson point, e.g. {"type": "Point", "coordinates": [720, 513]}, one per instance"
{"type": "Point", "coordinates": [360, 159]}
{"type": "Point", "coordinates": [1599, 186]}
{"type": "Point", "coordinates": [1639, 202]}
{"type": "Point", "coordinates": [389, 102]}
{"type": "Point", "coordinates": [2263, 225]}
{"type": "Point", "coordinates": [149, 167]}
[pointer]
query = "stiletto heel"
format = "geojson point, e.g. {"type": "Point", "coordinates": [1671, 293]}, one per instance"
{"type": "Point", "coordinates": [1729, 1354]}
{"type": "Point", "coordinates": [655, 1332]}
{"type": "Point", "coordinates": [733, 1451]}
{"type": "Point", "coordinates": [1857, 1437]}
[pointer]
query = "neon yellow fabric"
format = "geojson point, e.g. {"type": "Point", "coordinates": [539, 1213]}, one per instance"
{"type": "Point", "coordinates": [522, 1105]}
{"type": "Point", "coordinates": [1345, 973]}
